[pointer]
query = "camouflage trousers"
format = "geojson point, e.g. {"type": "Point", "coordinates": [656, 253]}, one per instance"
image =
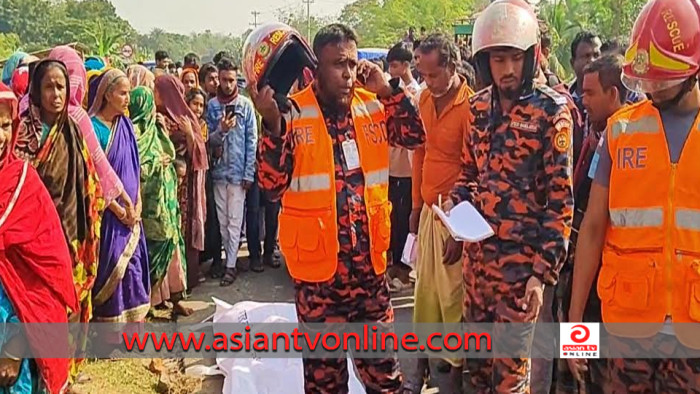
{"type": "Point", "coordinates": [347, 298]}
{"type": "Point", "coordinates": [491, 299]}
{"type": "Point", "coordinates": [663, 375]}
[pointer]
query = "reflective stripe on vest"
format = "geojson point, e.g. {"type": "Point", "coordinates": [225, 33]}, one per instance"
{"type": "Point", "coordinates": [368, 108]}
{"type": "Point", "coordinates": [637, 217]}
{"type": "Point", "coordinates": [310, 183]}
{"type": "Point", "coordinates": [688, 219]}
{"type": "Point", "coordinates": [379, 177]}
{"type": "Point", "coordinates": [646, 124]}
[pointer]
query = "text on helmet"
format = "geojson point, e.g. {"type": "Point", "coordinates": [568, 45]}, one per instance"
{"type": "Point", "coordinates": [673, 30]}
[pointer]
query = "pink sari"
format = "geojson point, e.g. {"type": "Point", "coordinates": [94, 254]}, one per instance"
{"type": "Point", "coordinates": [111, 185]}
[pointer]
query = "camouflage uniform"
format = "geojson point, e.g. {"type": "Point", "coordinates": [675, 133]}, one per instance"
{"type": "Point", "coordinates": [517, 171]}
{"type": "Point", "coordinates": [673, 372]}
{"type": "Point", "coordinates": [355, 293]}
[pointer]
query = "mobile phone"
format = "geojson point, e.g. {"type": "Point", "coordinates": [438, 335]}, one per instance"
{"type": "Point", "coordinates": [230, 110]}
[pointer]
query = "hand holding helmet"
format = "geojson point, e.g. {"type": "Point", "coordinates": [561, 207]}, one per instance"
{"type": "Point", "coordinates": [266, 104]}
{"type": "Point", "coordinates": [275, 56]}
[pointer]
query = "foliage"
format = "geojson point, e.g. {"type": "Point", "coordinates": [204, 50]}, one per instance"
{"type": "Point", "coordinates": [383, 23]}
{"type": "Point", "coordinates": [41, 24]}
{"type": "Point", "coordinates": [566, 18]}
{"type": "Point", "coordinates": [103, 42]}
{"type": "Point", "coordinates": [205, 44]}
{"type": "Point", "coordinates": [8, 44]}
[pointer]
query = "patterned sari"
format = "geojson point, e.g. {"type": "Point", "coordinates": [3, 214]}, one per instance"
{"type": "Point", "coordinates": [66, 168]}
{"type": "Point", "coordinates": [122, 288]}
{"type": "Point", "coordinates": [36, 283]}
{"type": "Point", "coordinates": [161, 210]}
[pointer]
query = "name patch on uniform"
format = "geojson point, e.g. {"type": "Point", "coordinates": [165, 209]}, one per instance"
{"type": "Point", "coordinates": [631, 158]}
{"type": "Point", "coordinates": [531, 127]}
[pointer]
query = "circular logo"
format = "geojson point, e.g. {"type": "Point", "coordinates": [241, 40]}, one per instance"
{"type": "Point", "coordinates": [263, 50]}
{"type": "Point", "coordinates": [640, 64]}
{"type": "Point", "coordinates": [580, 333]}
{"type": "Point", "coordinates": [562, 141]}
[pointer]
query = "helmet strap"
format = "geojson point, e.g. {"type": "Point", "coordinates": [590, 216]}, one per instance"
{"type": "Point", "coordinates": [686, 88]}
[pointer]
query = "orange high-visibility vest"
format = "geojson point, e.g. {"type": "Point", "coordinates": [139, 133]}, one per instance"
{"type": "Point", "coordinates": [308, 219]}
{"type": "Point", "coordinates": [651, 258]}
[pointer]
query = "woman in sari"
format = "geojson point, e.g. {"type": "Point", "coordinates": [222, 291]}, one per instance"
{"type": "Point", "coordinates": [36, 283]}
{"type": "Point", "coordinates": [161, 209]}
{"type": "Point", "coordinates": [51, 141]}
{"type": "Point", "coordinates": [140, 76]}
{"type": "Point", "coordinates": [112, 187]}
{"type": "Point", "coordinates": [183, 127]}
{"type": "Point", "coordinates": [190, 78]}
{"type": "Point", "coordinates": [122, 288]}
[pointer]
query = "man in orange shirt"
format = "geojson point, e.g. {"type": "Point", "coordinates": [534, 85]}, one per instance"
{"type": "Point", "coordinates": [436, 168]}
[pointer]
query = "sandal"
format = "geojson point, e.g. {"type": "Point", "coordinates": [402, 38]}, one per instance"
{"type": "Point", "coordinates": [229, 277]}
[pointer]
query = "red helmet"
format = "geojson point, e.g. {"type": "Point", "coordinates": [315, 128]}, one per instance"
{"type": "Point", "coordinates": [663, 49]}
{"type": "Point", "coordinates": [275, 54]}
{"type": "Point", "coordinates": [510, 24]}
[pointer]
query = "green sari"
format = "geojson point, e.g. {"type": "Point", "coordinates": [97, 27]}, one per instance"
{"type": "Point", "coordinates": [161, 210]}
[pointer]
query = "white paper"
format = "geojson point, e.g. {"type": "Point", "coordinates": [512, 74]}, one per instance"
{"type": "Point", "coordinates": [266, 375]}
{"type": "Point", "coordinates": [410, 251]}
{"type": "Point", "coordinates": [465, 223]}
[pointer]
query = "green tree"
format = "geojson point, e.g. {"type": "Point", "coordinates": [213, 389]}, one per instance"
{"type": "Point", "coordinates": [9, 42]}
{"type": "Point", "coordinates": [383, 23]}
{"type": "Point", "coordinates": [566, 18]}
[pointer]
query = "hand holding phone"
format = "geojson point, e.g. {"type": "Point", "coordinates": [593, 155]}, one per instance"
{"type": "Point", "coordinates": [228, 121]}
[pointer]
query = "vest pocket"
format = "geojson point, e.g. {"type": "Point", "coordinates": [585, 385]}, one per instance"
{"type": "Point", "coordinates": [380, 220]}
{"type": "Point", "coordinates": [305, 237]}
{"type": "Point", "coordinates": [626, 281]}
{"type": "Point", "coordinates": [687, 286]}
{"type": "Point", "coordinates": [694, 311]}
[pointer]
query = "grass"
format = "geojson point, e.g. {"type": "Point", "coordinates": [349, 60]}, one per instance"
{"type": "Point", "coordinates": [125, 376]}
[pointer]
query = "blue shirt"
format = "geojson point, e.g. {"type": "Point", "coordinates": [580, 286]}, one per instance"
{"type": "Point", "coordinates": [237, 163]}
{"type": "Point", "coordinates": [102, 132]}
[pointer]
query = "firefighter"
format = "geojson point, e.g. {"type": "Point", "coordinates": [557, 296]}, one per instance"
{"type": "Point", "coordinates": [643, 214]}
{"type": "Point", "coordinates": [516, 171]}
{"type": "Point", "coordinates": [328, 162]}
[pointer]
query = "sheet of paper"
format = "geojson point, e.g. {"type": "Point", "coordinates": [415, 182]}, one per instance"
{"type": "Point", "coordinates": [410, 251]}
{"type": "Point", "coordinates": [465, 223]}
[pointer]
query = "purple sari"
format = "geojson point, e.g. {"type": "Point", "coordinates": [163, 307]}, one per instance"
{"type": "Point", "coordinates": [122, 288]}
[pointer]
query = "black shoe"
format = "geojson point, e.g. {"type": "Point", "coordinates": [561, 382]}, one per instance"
{"type": "Point", "coordinates": [256, 265]}
{"type": "Point", "coordinates": [270, 261]}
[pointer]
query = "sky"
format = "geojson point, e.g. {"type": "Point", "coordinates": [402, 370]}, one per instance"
{"type": "Point", "coordinates": [219, 16]}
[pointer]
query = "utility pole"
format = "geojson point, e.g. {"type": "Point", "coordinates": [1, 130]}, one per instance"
{"type": "Point", "coordinates": [308, 18]}
{"type": "Point", "coordinates": [255, 18]}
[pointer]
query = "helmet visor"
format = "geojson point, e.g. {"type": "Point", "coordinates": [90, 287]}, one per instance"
{"type": "Point", "coordinates": [648, 85]}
